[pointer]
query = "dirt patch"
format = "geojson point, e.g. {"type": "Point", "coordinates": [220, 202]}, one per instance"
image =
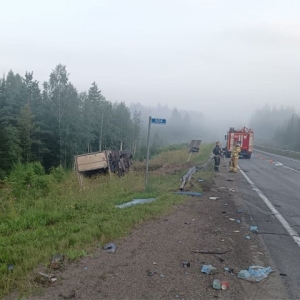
{"type": "Point", "coordinates": [148, 264]}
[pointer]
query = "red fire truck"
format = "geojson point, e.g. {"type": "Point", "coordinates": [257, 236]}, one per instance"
{"type": "Point", "coordinates": [244, 136]}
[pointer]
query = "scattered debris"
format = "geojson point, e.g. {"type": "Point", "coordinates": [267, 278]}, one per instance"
{"type": "Point", "coordinates": [255, 273]}
{"type": "Point", "coordinates": [213, 198]}
{"type": "Point", "coordinates": [187, 223]}
{"type": "Point", "coordinates": [224, 285]}
{"type": "Point", "coordinates": [277, 164]}
{"type": "Point", "coordinates": [162, 275]}
{"type": "Point", "coordinates": [200, 180]}
{"type": "Point", "coordinates": [282, 274]}
{"type": "Point", "coordinates": [56, 261]}
{"type": "Point", "coordinates": [186, 264]}
{"type": "Point", "coordinates": [224, 212]}
{"type": "Point", "coordinates": [154, 263]}
{"type": "Point", "coordinates": [51, 277]}
{"type": "Point", "coordinates": [247, 237]}
{"type": "Point", "coordinates": [253, 228]}
{"type": "Point", "coordinates": [151, 273]}
{"type": "Point", "coordinates": [110, 248]}
{"type": "Point", "coordinates": [236, 231]}
{"type": "Point", "coordinates": [193, 194]}
{"type": "Point", "coordinates": [208, 269]}
{"type": "Point", "coordinates": [231, 219]}
{"type": "Point", "coordinates": [229, 179]}
{"type": "Point", "coordinates": [135, 202]}
{"type": "Point", "coordinates": [231, 190]}
{"type": "Point", "coordinates": [10, 268]}
{"type": "Point", "coordinates": [229, 270]}
{"type": "Point", "coordinates": [85, 268]}
{"type": "Point", "coordinates": [217, 284]}
{"type": "Point", "coordinates": [238, 221]}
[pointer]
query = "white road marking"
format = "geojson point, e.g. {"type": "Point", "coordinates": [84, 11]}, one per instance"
{"type": "Point", "coordinates": [290, 169]}
{"type": "Point", "coordinates": [280, 218]}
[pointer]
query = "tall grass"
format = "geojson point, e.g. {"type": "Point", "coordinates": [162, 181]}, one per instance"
{"type": "Point", "coordinates": [46, 214]}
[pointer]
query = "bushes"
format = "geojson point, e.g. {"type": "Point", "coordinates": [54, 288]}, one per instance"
{"type": "Point", "coordinates": [31, 179]}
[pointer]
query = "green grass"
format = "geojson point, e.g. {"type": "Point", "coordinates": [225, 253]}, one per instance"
{"type": "Point", "coordinates": [60, 217]}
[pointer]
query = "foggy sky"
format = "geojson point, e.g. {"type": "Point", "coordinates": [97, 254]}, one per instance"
{"type": "Point", "coordinates": [229, 55]}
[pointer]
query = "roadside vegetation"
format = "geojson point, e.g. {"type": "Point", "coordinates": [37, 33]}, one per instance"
{"type": "Point", "coordinates": [43, 214]}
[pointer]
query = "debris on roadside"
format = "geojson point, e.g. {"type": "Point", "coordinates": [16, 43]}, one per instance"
{"type": "Point", "coordinates": [229, 179]}
{"type": "Point", "coordinates": [213, 198]}
{"type": "Point", "coordinates": [135, 202]}
{"type": "Point", "coordinates": [255, 273]}
{"type": "Point", "coordinates": [57, 261]}
{"type": "Point", "coordinates": [231, 219]}
{"type": "Point", "coordinates": [238, 221]}
{"type": "Point", "coordinates": [208, 269]}
{"type": "Point", "coordinates": [217, 284]}
{"type": "Point", "coordinates": [10, 268]}
{"type": "Point", "coordinates": [229, 270]}
{"type": "Point", "coordinates": [50, 277]}
{"type": "Point", "coordinates": [193, 194]}
{"type": "Point", "coordinates": [247, 237]}
{"type": "Point", "coordinates": [186, 264]}
{"type": "Point", "coordinates": [187, 223]}
{"type": "Point", "coordinates": [110, 248]}
{"type": "Point", "coordinates": [253, 228]}
{"type": "Point", "coordinates": [151, 273]}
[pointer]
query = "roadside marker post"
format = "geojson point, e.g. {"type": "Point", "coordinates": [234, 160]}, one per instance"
{"type": "Point", "coordinates": [152, 121]}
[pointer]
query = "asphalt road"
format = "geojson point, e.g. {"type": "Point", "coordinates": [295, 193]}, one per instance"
{"type": "Point", "coordinates": [278, 179]}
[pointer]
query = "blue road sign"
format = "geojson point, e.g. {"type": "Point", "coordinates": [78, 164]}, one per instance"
{"type": "Point", "coordinates": [158, 121]}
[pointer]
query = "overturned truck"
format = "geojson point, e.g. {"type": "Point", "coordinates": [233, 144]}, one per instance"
{"type": "Point", "coordinates": [103, 162]}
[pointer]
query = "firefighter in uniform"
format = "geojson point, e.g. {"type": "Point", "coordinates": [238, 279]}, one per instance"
{"type": "Point", "coordinates": [235, 157]}
{"type": "Point", "coordinates": [217, 156]}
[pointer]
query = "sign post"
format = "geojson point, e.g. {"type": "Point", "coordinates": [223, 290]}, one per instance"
{"type": "Point", "coordinates": [151, 121]}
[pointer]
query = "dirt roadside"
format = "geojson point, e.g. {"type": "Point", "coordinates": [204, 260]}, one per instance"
{"type": "Point", "coordinates": [160, 246]}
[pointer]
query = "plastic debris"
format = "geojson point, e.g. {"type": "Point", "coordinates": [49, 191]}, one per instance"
{"type": "Point", "coordinates": [200, 180]}
{"type": "Point", "coordinates": [187, 223]}
{"type": "Point", "coordinates": [151, 273]}
{"type": "Point", "coordinates": [135, 202]}
{"type": "Point", "coordinates": [208, 269]}
{"type": "Point", "coordinates": [247, 237]}
{"type": "Point", "coordinates": [85, 268]}
{"type": "Point", "coordinates": [231, 219]}
{"type": "Point", "coordinates": [110, 248]}
{"type": "Point", "coordinates": [51, 277]}
{"type": "Point", "coordinates": [277, 164]}
{"type": "Point", "coordinates": [255, 273]}
{"type": "Point", "coordinates": [213, 198]}
{"type": "Point", "coordinates": [224, 285]}
{"type": "Point", "coordinates": [238, 221]}
{"type": "Point", "coordinates": [186, 264]}
{"type": "Point", "coordinates": [193, 194]}
{"type": "Point", "coordinates": [217, 284]}
{"type": "Point", "coordinates": [162, 275]}
{"type": "Point", "coordinates": [229, 270]}
{"type": "Point", "coordinates": [253, 228]}
{"type": "Point", "coordinates": [10, 267]}
{"type": "Point", "coordinates": [56, 261]}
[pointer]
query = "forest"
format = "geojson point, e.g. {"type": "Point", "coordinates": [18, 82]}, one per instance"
{"type": "Point", "coordinates": [277, 127]}
{"type": "Point", "coordinates": [51, 122]}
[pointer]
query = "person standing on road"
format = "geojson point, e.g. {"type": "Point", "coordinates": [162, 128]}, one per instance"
{"type": "Point", "coordinates": [234, 158]}
{"type": "Point", "coordinates": [217, 156]}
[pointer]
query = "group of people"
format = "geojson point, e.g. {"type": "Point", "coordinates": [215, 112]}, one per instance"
{"type": "Point", "coordinates": [217, 151]}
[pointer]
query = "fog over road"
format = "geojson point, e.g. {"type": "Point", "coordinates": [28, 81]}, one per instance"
{"type": "Point", "coordinates": [278, 179]}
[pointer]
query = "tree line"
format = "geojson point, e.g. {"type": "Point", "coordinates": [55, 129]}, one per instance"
{"type": "Point", "coordinates": [277, 127]}
{"type": "Point", "coordinates": [53, 123]}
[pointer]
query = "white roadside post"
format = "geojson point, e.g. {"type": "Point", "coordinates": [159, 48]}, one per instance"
{"type": "Point", "coordinates": [151, 121]}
